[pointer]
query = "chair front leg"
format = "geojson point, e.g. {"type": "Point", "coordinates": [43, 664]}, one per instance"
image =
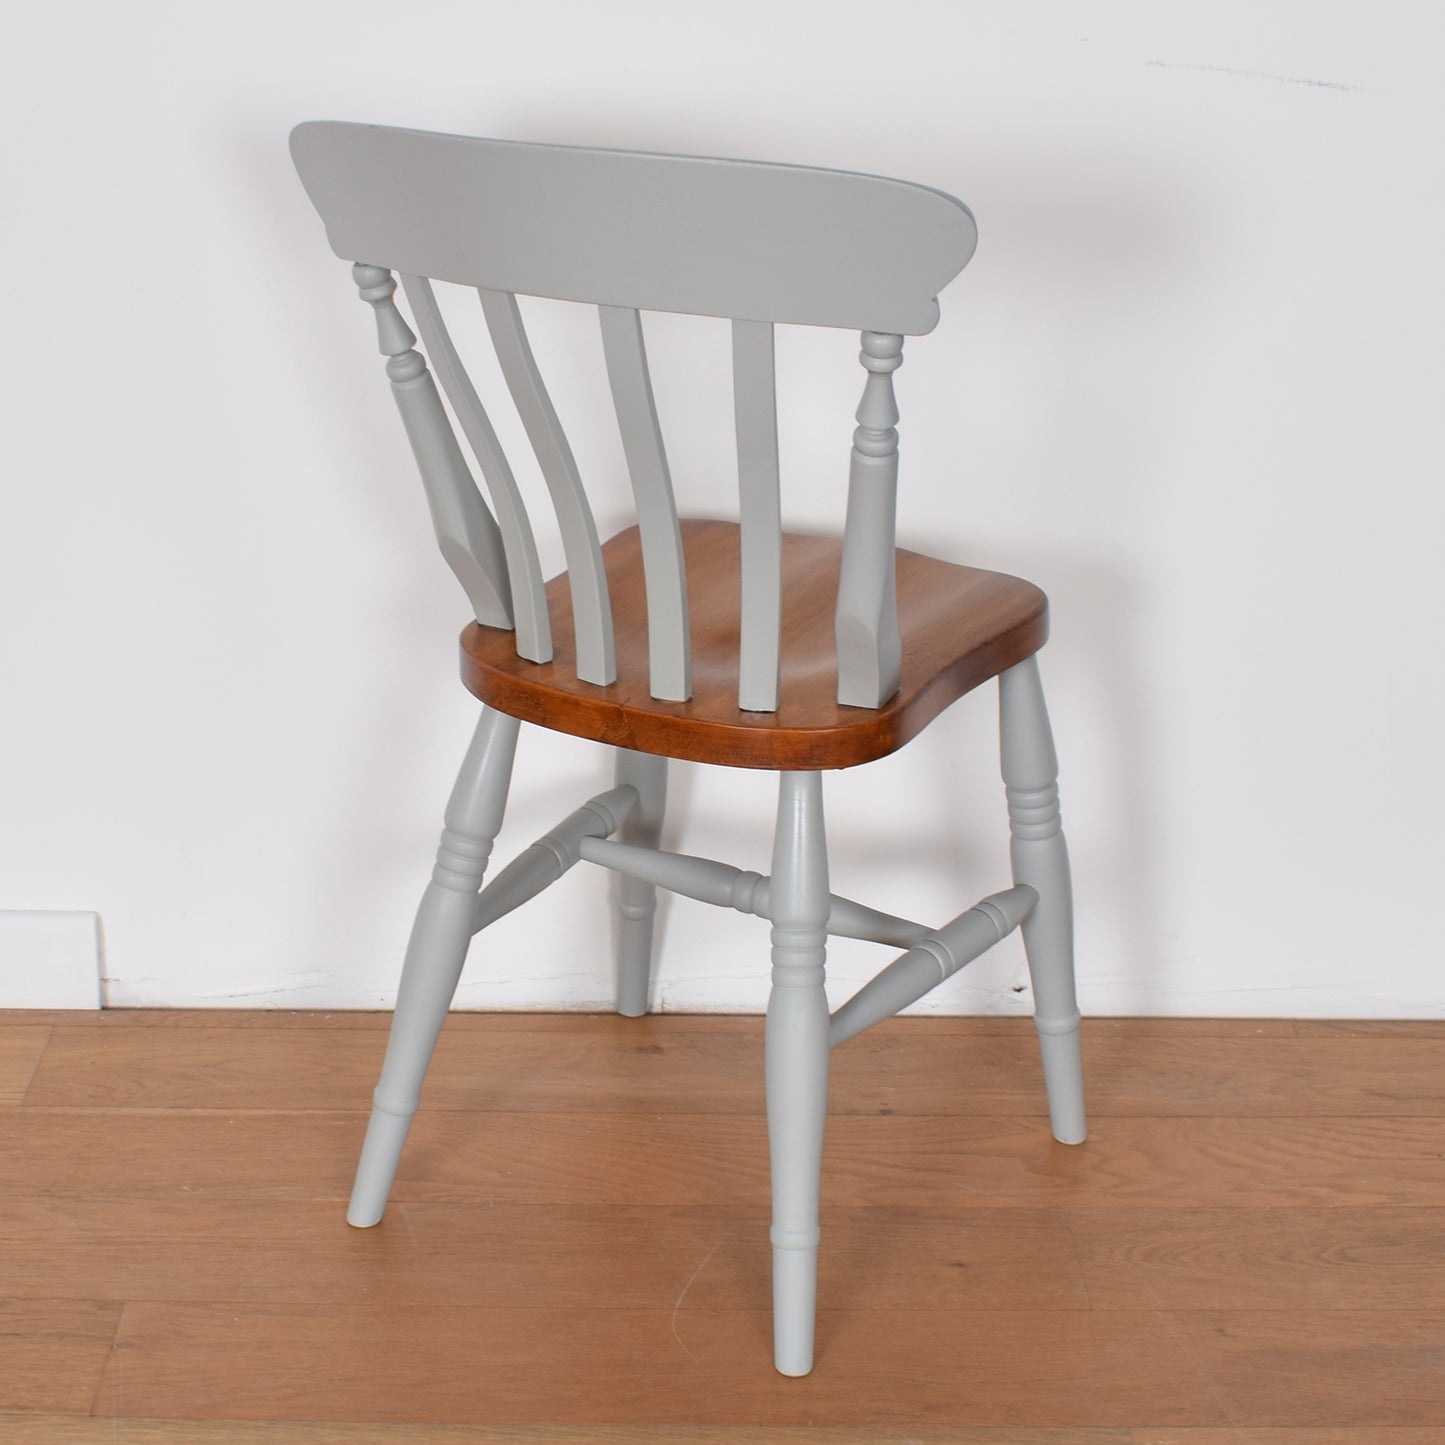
{"type": "Point", "coordinates": [797, 1062]}
{"type": "Point", "coordinates": [636, 899]}
{"type": "Point", "coordinates": [435, 955]}
{"type": "Point", "coordinates": [1041, 859]}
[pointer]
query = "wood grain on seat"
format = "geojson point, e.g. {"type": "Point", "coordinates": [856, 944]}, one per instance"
{"type": "Point", "coordinates": [960, 626]}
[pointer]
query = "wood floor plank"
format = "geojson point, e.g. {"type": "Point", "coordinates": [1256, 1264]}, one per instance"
{"type": "Point", "coordinates": [151, 1154]}
{"type": "Point", "coordinates": [1319, 1076]}
{"type": "Point", "coordinates": [1374, 1074]}
{"type": "Point", "coordinates": [690, 1366]}
{"type": "Point", "coordinates": [654, 1070]}
{"type": "Point", "coordinates": [1270, 1259]}
{"type": "Point", "coordinates": [20, 1048]}
{"type": "Point", "coordinates": [1346, 1435]}
{"type": "Point", "coordinates": [1368, 1028]}
{"type": "Point", "coordinates": [1368, 1368]}
{"type": "Point", "coordinates": [904, 1073]}
{"type": "Point", "coordinates": [1136, 1027]}
{"type": "Point", "coordinates": [52, 1353]}
{"type": "Point", "coordinates": [209, 1068]}
{"type": "Point", "coordinates": [933, 1163]}
{"type": "Point", "coordinates": [1137, 1163]}
{"type": "Point", "coordinates": [316, 1069]}
{"type": "Point", "coordinates": [673, 1070]}
{"type": "Point", "coordinates": [305, 1253]}
{"type": "Point", "coordinates": [510, 1256]}
{"type": "Point", "coordinates": [73, 1430]}
{"type": "Point", "coordinates": [882, 1259]}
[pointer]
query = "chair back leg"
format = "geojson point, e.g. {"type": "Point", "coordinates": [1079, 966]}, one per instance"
{"type": "Point", "coordinates": [637, 899]}
{"type": "Point", "coordinates": [797, 1061]}
{"type": "Point", "coordinates": [1041, 859]}
{"type": "Point", "coordinates": [434, 956]}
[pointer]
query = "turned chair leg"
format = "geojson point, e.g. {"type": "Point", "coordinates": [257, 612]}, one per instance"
{"type": "Point", "coordinates": [797, 1062]}
{"type": "Point", "coordinates": [434, 957]}
{"type": "Point", "coordinates": [636, 899]}
{"type": "Point", "coordinates": [1041, 859]}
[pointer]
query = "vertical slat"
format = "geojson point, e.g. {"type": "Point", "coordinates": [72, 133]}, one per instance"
{"type": "Point", "coordinates": [669, 647]}
{"type": "Point", "coordinates": [869, 652]}
{"type": "Point", "coordinates": [529, 598]}
{"type": "Point", "coordinates": [466, 532]}
{"type": "Point", "coordinates": [755, 408]}
{"type": "Point", "coordinates": [591, 606]}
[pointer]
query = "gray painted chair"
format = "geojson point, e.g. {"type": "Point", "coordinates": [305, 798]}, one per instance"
{"type": "Point", "coordinates": [720, 642]}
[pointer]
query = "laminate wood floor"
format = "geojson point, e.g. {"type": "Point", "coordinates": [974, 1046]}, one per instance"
{"type": "Point", "coordinates": [1250, 1249]}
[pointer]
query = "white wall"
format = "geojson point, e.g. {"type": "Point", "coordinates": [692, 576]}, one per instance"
{"type": "Point", "coordinates": [1192, 384]}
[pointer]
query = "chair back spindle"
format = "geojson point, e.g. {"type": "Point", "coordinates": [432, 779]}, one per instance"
{"type": "Point", "coordinates": [760, 522]}
{"type": "Point", "coordinates": [466, 531]}
{"type": "Point", "coordinates": [529, 597]}
{"type": "Point", "coordinates": [664, 575]}
{"type": "Point", "coordinates": [869, 650]}
{"type": "Point", "coordinates": [591, 606]}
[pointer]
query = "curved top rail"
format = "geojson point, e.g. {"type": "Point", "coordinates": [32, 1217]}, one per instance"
{"type": "Point", "coordinates": [763, 242]}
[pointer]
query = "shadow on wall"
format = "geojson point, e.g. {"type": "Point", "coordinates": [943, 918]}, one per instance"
{"type": "Point", "coordinates": [1077, 350]}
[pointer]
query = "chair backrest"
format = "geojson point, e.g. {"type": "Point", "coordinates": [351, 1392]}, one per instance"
{"type": "Point", "coordinates": [756, 243]}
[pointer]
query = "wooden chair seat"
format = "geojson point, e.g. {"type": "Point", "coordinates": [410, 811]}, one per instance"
{"type": "Point", "coordinates": [960, 627]}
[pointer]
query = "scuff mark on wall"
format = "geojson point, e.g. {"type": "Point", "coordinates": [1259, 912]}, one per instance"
{"type": "Point", "coordinates": [1251, 74]}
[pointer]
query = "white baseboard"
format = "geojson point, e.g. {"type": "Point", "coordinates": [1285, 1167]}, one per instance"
{"type": "Point", "coordinates": [49, 960]}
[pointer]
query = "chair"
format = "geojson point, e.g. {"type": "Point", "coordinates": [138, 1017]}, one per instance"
{"type": "Point", "coordinates": [720, 642]}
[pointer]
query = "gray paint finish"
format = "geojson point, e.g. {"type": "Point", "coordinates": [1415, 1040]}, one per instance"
{"type": "Point", "coordinates": [760, 242]}
{"type": "Point", "coordinates": [760, 522]}
{"type": "Point", "coordinates": [529, 598]}
{"type": "Point", "coordinates": [669, 645]}
{"type": "Point", "coordinates": [591, 604]}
